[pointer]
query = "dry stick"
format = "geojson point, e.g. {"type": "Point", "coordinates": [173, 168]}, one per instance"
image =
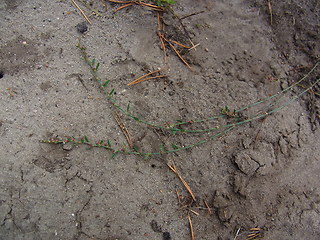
{"type": "Point", "coordinates": [270, 11]}
{"type": "Point", "coordinates": [77, 6]}
{"type": "Point", "coordinates": [176, 51]}
{"type": "Point", "coordinates": [139, 78]}
{"type": "Point", "coordinates": [174, 169]}
{"type": "Point", "coordinates": [145, 79]}
{"type": "Point", "coordinates": [123, 129]}
{"type": "Point", "coordinates": [191, 227]}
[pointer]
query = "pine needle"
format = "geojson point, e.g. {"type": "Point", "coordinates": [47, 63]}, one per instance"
{"type": "Point", "coordinates": [82, 12]}
{"type": "Point", "coordinates": [174, 169]}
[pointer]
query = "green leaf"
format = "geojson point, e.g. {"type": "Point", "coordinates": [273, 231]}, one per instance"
{"type": "Point", "coordinates": [111, 92]}
{"type": "Point", "coordinates": [97, 67]}
{"type": "Point", "coordinates": [170, 1]}
{"type": "Point", "coordinates": [106, 83]}
{"type": "Point", "coordinates": [174, 146]}
{"type": "Point", "coordinates": [93, 62]}
{"type": "Point", "coordinates": [128, 107]}
{"type": "Point", "coordinates": [147, 156]}
{"type": "Point", "coordinates": [109, 144]}
{"type": "Point", "coordinates": [114, 155]}
{"type": "Point", "coordinates": [174, 130]}
{"type": "Point", "coordinates": [101, 142]}
{"type": "Point", "coordinates": [162, 149]}
{"type": "Point", "coordinates": [135, 118]}
{"type": "Point", "coordinates": [86, 139]}
{"type": "Point", "coordinates": [135, 148]}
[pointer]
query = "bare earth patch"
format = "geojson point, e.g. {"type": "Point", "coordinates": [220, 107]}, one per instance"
{"type": "Point", "coordinates": [260, 177]}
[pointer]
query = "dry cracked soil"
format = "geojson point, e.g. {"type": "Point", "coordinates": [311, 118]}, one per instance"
{"type": "Point", "coordinates": [259, 176]}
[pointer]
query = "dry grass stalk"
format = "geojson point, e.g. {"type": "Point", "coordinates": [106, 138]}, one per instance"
{"type": "Point", "coordinates": [123, 129]}
{"type": "Point", "coordinates": [191, 227]}
{"type": "Point", "coordinates": [82, 12]}
{"type": "Point", "coordinates": [174, 169]}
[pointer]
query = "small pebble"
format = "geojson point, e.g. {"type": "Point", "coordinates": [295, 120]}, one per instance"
{"type": "Point", "coordinates": [82, 27]}
{"type": "Point", "coordinates": [166, 236]}
{"type": "Point", "coordinates": [67, 147]}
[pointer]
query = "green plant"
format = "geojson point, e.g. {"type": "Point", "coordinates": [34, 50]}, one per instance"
{"type": "Point", "coordinates": [164, 3]}
{"type": "Point", "coordinates": [225, 122]}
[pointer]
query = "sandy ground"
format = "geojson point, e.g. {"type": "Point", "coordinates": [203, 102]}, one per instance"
{"type": "Point", "coordinates": [263, 174]}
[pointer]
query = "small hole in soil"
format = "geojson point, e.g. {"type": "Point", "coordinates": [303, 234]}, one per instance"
{"type": "Point", "coordinates": [1, 74]}
{"type": "Point", "coordinates": [153, 165]}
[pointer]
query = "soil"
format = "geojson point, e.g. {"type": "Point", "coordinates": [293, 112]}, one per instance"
{"type": "Point", "coordinates": [260, 178]}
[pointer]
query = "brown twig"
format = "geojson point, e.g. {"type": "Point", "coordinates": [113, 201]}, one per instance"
{"type": "Point", "coordinates": [123, 129]}
{"type": "Point", "coordinates": [191, 227]}
{"type": "Point", "coordinates": [82, 12]}
{"type": "Point", "coordinates": [174, 169]}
